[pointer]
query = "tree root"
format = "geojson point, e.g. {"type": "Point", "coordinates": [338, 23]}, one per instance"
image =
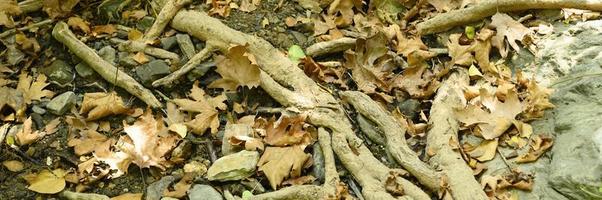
{"type": "Point", "coordinates": [446, 21]}
{"type": "Point", "coordinates": [109, 72]}
{"type": "Point", "coordinates": [328, 47]}
{"type": "Point", "coordinates": [137, 46]}
{"type": "Point", "coordinates": [442, 139]}
{"type": "Point", "coordinates": [288, 85]}
{"type": "Point", "coordinates": [395, 140]}
{"type": "Point", "coordinates": [193, 62]}
{"type": "Point", "coordinates": [170, 8]}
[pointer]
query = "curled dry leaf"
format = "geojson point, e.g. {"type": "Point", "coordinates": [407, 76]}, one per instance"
{"type": "Point", "coordinates": [510, 29]}
{"type": "Point", "coordinates": [287, 131]}
{"type": "Point", "coordinates": [98, 105]}
{"type": "Point", "coordinates": [279, 163]}
{"type": "Point", "coordinates": [321, 73]}
{"type": "Point", "coordinates": [539, 145]}
{"type": "Point", "coordinates": [237, 68]}
{"type": "Point", "coordinates": [206, 107]}
{"type": "Point", "coordinates": [47, 182]}
{"type": "Point", "coordinates": [371, 67]}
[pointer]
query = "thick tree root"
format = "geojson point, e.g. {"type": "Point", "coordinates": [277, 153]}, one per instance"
{"type": "Point", "coordinates": [288, 85]}
{"type": "Point", "coordinates": [446, 21]}
{"type": "Point", "coordinates": [328, 47]}
{"type": "Point", "coordinates": [193, 62]}
{"type": "Point", "coordinates": [442, 139]}
{"type": "Point", "coordinates": [395, 140]}
{"type": "Point", "coordinates": [169, 10]}
{"type": "Point", "coordinates": [109, 72]}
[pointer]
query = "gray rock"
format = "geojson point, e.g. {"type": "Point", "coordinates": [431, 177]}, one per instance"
{"type": "Point", "coordinates": [409, 108]}
{"type": "Point", "coordinates": [13, 55]}
{"type": "Point", "coordinates": [155, 190]}
{"type": "Point", "coordinates": [168, 42]}
{"type": "Point", "coordinates": [59, 71]}
{"type": "Point", "coordinates": [186, 45]}
{"type": "Point", "coordinates": [38, 109]}
{"type": "Point", "coordinates": [145, 23]}
{"type": "Point", "coordinates": [301, 39]}
{"type": "Point", "coordinates": [82, 196]}
{"type": "Point", "coordinates": [108, 54]}
{"type": "Point", "coordinates": [62, 103]}
{"type": "Point", "coordinates": [318, 168]}
{"type": "Point", "coordinates": [235, 166]}
{"type": "Point", "coordinates": [203, 192]}
{"type": "Point", "coordinates": [151, 71]}
{"type": "Point", "coordinates": [84, 70]}
{"type": "Point", "coordinates": [231, 131]}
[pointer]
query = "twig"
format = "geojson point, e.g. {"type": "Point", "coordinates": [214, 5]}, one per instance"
{"type": "Point", "coordinates": [168, 11]}
{"type": "Point", "coordinates": [193, 62]}
{"type": "Point", "coordinates": [35, 25]}
{"type": "Point", "coordinates": [333, 46]}
{"type": "Point", "coordinates": [105, 69]}
{"type": "Point", "coordinates": [446, 21]}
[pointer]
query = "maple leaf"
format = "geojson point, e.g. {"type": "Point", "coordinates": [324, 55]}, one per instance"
{"type": "Point", "coordinates": [287, 131]}
{"type": "Point", "coordinates": [237, 68]}
{"type": "Point", "coordinates": [33, 90]}
{"type": "Point", "coordinates": [278, 163]}
{"type": "Point", "coordinates": [98, 105]}
{"type": "Point", "coordinates": [208, 116]}
{"type": "Point", "coordinates": [343, 11]}
{"type": "Point", "coordinates": [510, 29]}
{"type": "Point", "coordinates": [321, 73]}
{"type": "Point", "coordinates": [87, 142]}
{"type": "Point", "coordinates": [418, 81]}
{"type": "Point", "coordinates": [499, 117]}
{"type": "Point", "coordinates": [8, 8]}
{"type": "Point", "coordinates": [27, 136]}
{"type": "Point", "coordinates": [370, 65]}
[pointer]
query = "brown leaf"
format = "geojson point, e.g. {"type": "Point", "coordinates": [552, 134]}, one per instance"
{"type": "Point", "coordinates": [134, 14]}
{"type": "Point", "coordinates": [26, 43]}
{"type": "Point", "coordinates": [485, 151]}
{"type": "Point", "coordinates": [237, 68]}
{"type": "Point", "coordinates": [13, 165]}
{"type": "Point", "coordinates": [248, 5]}
{"type": "Point", "coordinates": [128, 196]}
{"type": "Point", "coordinates": [8, 8]}
{"type": "Point", "coordinates": [135, 34]}
{"type": "Point", "coordinates": [278, 163]}
{"type": "Point", "coordinates": [59, 8]}
{"type": "Point", "coordinates": [537, 101]}
{"type": "Point", "coordinates": [208, 116]}
{"type": "Point", "coordinates": [33, 90]}
{"type": "Point", "coordinates": [103, 29]}
{"type": "Point", "coordinates": [220, 7]}
{"type": "Point", "coordinates": [140, 57]}
{"type": "Point", "coordinates": [460, 54]}
{"type": "Point", "coordinates": [343, 11]}
{"type": "Point", "coordinates": [47, 182]}
{"type": "Point", "coordinates": [371, 67]}
{"type": "Point", "coordinates": [98, 105]}
{"type": "Point", "coordinates": [418, 81]}
{"type": "Point", "coordinates": [87, 142]}
{"type": "Point", "coordinates": [320, 73]}
{"type": "Point", "coordinates": [539, 145]}
{"type": "Point", "coordinates": [79, 24]}
{"type": "Point", "coordinates": [510, 29]}
{"type": "Point", "coordinates": [300, 180]}
{"type": "Point", "coordinates": [27, 136]}
{"type": "Point", "coordinates": [287, 131]}
{"type": "Point", "coordinates": [181, 187]}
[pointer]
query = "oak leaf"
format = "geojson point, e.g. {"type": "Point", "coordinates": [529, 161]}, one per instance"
{"type": "Point", "coordinates": [371, 67]}
{"type": "Point", "coordinates": [510, 29]}
{"type": "Point", "coordinates": [279, 163]}
{"type": "Point", "coordinates": [98, 105]}
{"type": "Point", "coordinates": [206, 107]}
{"type": "Point", "coordinates": [237, 68]}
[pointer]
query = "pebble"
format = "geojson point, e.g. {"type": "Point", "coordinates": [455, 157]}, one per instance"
{"type": "Point", "coordinates": [233, 130]}
{"type": "Point", "coordinates": [168, 42]}
{"type": "Point", "coordinates": [58, 71]}
{"type": "Point", "coordinates": [108, 54]}
{"type": "Point", "coordinates": [155, 190]}
{"type": "Point", "coordinates": [62, 103]}
{"type": "Point", "coordinates": [152, 71]}
{"type": "Point", "coordinates": [84, 70]}
{"type": "Point", "coordinates": [13, 55]}
{"type": "Point", "coordinates": [38, 109]}
{"type": "Point", "coordinates": [203, 192]}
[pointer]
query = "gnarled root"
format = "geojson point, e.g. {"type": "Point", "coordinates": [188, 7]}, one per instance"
{"type": "Point", "coordinates": [395, 140]}
{"type": "Point", "coordinates": [288, 85]}
{"type": "Point", "coordinates": [448, 20]}
{"type": "Point", "coordinates": [442, 139]}
{"type": "Point", "coordinates": [109, 72]}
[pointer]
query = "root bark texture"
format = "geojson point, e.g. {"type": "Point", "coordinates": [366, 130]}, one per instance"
{"type": "Point", "coordinates": [288, 85]}
{"type": "Point", "coordinates": [332, 46]}
{"type": "Point", "coordinates": [442, 139]}
{"type": "Point", "coordinates": [169, 10]}
{"type": "Point", "coordinates": [109, 72]}
{"type": "Point", "coordinates": [446, 21]}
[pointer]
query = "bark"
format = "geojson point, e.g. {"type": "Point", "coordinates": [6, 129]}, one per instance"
{"type": "Point", "coordinates": [193, 62]}
{"type": "Point", "coordinates": [109, 72]}
{"type": "Point", "coordinates": [328, 47]}
{"type": "Point", "coordinates": [169, 10]}
{"type": "Point", "coordinates": [446, 21]}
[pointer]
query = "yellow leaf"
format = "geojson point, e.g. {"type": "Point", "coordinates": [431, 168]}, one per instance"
{"type": "Point", "coordinates": [13, 165]}
{"type": "Point", "coordinates": [26, 135]}
{"type": "Point", "coordinates": [237, 68]}
{"type": "Point", "coordinates": [473, 71]}
{"type": "Point", "coordinates": [278, 163]}
{"type": "Point", "coordinates": [485, 151]}
{"type": "Point", "coordinates": [128, 196]}
{"type": "Point", "coordinates": [134, 34]}
{"type": "Point", "coordinates": [140, 57]}
{"type": "Point", "coordinates": [180, 129]}
{"type": "Point", "coordinates": [47, 182]}
{"type": "Point", "coordinates": [98, 105]}
{"type": "Point", "coordinates": [78, 23]}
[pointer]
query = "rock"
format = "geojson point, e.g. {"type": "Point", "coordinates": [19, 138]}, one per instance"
{"type": "Point", "coordinates": [37, 120]}
{"type": "Point", "coordinates": [145, 23]}
{"type": "Point", "coordinates": [168, 43]}
{"type": "Point", "coordinates": [112, 8]}
{"type": "Point", "coordinates": [155, 190]}
{"type": "Point", "coordinates": [82, 196]}
{"type": "Point", "coordinates": [13, 55]}
{"type": "Point", "coordinates": [182, 151]}
{"type": "Point", "coordinates": [38, 109]}
{"type": "Point", "coordinates": [234, 166]}
{"type": "Point", "coordinates": [410, 108]}
{"type": "Point", "coordinates": [152, 71]}
{"type": "Point", "coordinates": [58, 71]}
{"type": "Point", "coordinates": [84, 71]}
{"type": "Point", "coordinates": [318, 168]}
{"type": "Point", "coordinates": [195, 167]}
{"type": "Point", "coordinates": [301, 39]}
{"type": "Point", "coordinates": [231, 131]}
{"type": "Point", "coordinates": [186, 45]}
{"type": "Point", "coordinates": [168, 198]}
{"type": "Point", "coordinates": [126, 60]}
{"type": "Point", "coordinates": [203, 192]}
{"type": "Point", "coordinates": [61, 103]}
{"type": "Point", "coordinates": [108, 54]}
{"type": "Point", "coordinates": [199, 71]}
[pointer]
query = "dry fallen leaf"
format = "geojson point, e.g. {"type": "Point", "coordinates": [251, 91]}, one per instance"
{"type": "Point", "coordinates": [59, 8]}
{"type": "Point", "coordinates": [181, 187]}
{"type": "Point", "coordinates": [249, 5]}
{"type": "Point", "coordinates": [539, 145]}
{"type": "Point", "coordinates": [13, 165]}
{"type": "Point", "coordinates": [103, 29]}
{"type": "Point", "coordinates": [321, 73]}
{"type": "Point", "coordinates": [485, 151]}
{"type": "Point", "coordinates": [279, 163]}
{"type": "Point", "coordinates": [287, 131]}
{"type": "Point", "coordinates": [134, 14]}
{"type": "Point", "coordinates": [8, 8]}
{"type": "Point", "coordinates": [98, 105]}
{"type": "Point", "coordinates": [87, 142]}
{"type": "Point", "coordinates": [128, 196]}
{"type": "Point", "coordinates": [343, 11]}
{"type": "Point", "coordinates": [27, 136]}
{"type": "Point", "coordinates": [420, 82]}
{"type": "Point", "coordinates": [47, 182]}
{"type": "Point", "coordinates": [79, 23]}
{"type": "Point", "coordinates": [510, 29]}
{"type": "Point", "coordinates": [237, 68]}
{"type": "Point", "coordinates": [220, 7]}
{"type": "Point", "coordinates": [206, 107]}
{"type": "Point", "coordinates": [371, 67]}
{"type": "Point", "coordinates": [33, 90]}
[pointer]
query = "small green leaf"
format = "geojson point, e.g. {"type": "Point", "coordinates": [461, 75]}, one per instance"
{"type": "Point", "coordinates": [470, 32]}
{"type": "Point", "coordinates": [247, 195]}
{"type": "Point", "coordinates": [295, 53]}
{"type": "Point", "coordinates": [10, 140]}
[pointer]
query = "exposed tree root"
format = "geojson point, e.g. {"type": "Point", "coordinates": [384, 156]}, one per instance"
{"type": "Point", "coordinates": [170, 8]}
{"type": "Point", "coordinates": [442, 139]}
{"type": "Point", "coordinates": [136, 46]}
{"type": "Point", "coordinates": [109, 72]}
{"type": "Point", "coordinates": [395, 139]}
{"type": "Point", "coordinates": [328, 47]}
{"type": "Point", "coordinates": [288, 85]}
{"type": "Point", "coordinates": [446, 21]}
{"type": "Point", "coordinates": [193, 62]}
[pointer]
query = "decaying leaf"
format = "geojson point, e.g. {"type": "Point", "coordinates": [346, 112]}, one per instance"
{"type": "Point", "coordinates": [8, 8]}
{"type": "Point", "coordinates": [14, 101]}
{"type": "Point", "coordinates": [79, 24]}
{"type": "Point", "coordinates": [33, 90]}
{"type": "Point", "coordinates": [98, 105]}
{"type": "Point", "coordinates": [47, 182]}
{"type": "Point", "coordinates": [371, 67]}
{"type": "Point", "coordinates": [181, 187]}
{"type": "Point", "coordinates": [510, 29]}
{"type": "Point", "coordinates": [27, 136]}
{"type": "Point", "coordinates": [134, 14]}
{"type": "Point", "coordinates": [537, 101]}
{"type": "Point", "coordinates": [206, 107]}
{"type": "Point", "coordinates": [27, 43]}
{"type": "Point", "coordinates": [237, 68]}
{"type": "Point", "coordinates": [59, 8]}
{"type": "Point", "coordinates": [279, 163]}
{"type": "Point", "coordinates": [287, 131]}
{"type": "Point", "coordinates": [13, 165]}
{"type": "Point", "coordinates": [539, 145]}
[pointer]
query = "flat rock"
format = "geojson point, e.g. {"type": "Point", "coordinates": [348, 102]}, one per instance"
{"type": "Point", "coordinates": [186, 45]}
{"type": "Point", "coordinates": [152, 71]}
{"type": "Point", "coordinates": [203, 192]}
{"type": "Point", "coordinates": [58, 71]}
{"type": "Point", "coordinates": [84, 70]}
{"type": "Point", "coordinates": [168, 42]}
{"type": "Point", "coordinates": [61, 103]}
{"type": "Point", "coordinates": [235, 166]}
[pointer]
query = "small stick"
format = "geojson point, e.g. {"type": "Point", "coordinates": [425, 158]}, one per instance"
{"type": "Point", "coordinates": [13, 31]}
{"type": "Point", "coordinates": [109, 72]}
{"type": "Point", "coordinates": [333, 46]}
{"type": "Point", "coordinates": [193, 62]}
{"type": "Point", "coordinates": [167, 13]}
